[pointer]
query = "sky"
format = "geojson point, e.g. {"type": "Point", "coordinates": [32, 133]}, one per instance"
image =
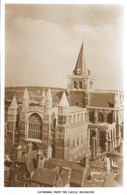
{"type": "Point", "coordinates": [43, 42]}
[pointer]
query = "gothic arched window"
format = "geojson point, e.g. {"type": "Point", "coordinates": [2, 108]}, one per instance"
{"type": "Point", "coordinates": [91, 116]}
{"type": "Point", "coordinates": [35, 127]}
{"type": "Point", "coordinates": [100, 117]}
{"type": "Point", "coordinates": [80, 84]}
{"type": "Point", "coordinates": [75, 84]}
{"type": "Point", "coordinates": [109, 118]}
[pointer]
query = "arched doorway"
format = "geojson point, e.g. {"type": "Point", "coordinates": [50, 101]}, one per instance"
{"type": "Point", "coordinates": [35, 127]}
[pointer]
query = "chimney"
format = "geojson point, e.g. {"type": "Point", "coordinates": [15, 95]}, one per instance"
{"type": "Point", "coordinates": [19, 151]}
{"type": "Point", "coordinates": [40, 160]}
{"type": "Point", "coordinates": [29, 147]}
{"type": "Point", "coordinates": [107, 164]}
{"type": "Point", "coordinates": [66, 172]}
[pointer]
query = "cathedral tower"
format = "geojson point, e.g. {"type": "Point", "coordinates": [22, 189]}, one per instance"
{"type": "Point", "coordinates": [81, 82]}
{"type": "Point", "coordinates": [61, 138]}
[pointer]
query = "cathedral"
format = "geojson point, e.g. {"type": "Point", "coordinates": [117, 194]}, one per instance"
{"type": "Point", "coordinates": [84, 124]}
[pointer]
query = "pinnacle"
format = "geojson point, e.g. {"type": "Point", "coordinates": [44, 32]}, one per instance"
{"type": "Point", "coordinates": [48, 96]}
{"type": "Point", "coordinates": [14, 103]}
{"type": "Point", "coordinates": [25, 96]}
{"type": "Point", "coordinates": [64, 101]}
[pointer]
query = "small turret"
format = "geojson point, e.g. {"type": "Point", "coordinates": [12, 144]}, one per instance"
{"type": "Point", "coordinates": [64, 101]}
{"type": "Point", "coordinates": [62, 129]}
{"type": "Point", "coordinates": [25, 99]}
{"type": "Point", "coordinates": [48, 103]}
{"type": "Point", "coordinates": [63, 106]}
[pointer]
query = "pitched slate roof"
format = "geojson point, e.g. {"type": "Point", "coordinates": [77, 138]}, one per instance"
{"type": "Point", "coordinates": [77, 171]}
{"type": "Point", "coordinates": [100, 99]}
{"type": "Point", "coordinates": [45, 176]}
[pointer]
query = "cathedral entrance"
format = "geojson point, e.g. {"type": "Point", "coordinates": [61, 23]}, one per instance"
{"type": "Point", "coordinates": [35, 127]}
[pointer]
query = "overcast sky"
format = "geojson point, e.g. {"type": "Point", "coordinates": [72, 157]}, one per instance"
{"type": "Point", "coordinates": [43, 42]}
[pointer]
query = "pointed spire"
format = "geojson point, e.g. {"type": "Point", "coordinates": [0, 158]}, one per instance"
{"type": "Point", "coordinates": [64, 101]}
{"type": "Point", "coordinates": [14, 103]}
{"type": "Point", "coordinates": [81, 67]}
{"type": "Point", "coordinates": [25, 96]}
{"type": "Point", "coordinates": [49, 96]}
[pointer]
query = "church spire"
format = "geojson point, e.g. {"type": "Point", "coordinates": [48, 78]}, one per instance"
{"type": "Point", "coordinates": [81, 67]}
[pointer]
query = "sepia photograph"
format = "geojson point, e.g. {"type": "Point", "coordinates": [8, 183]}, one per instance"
{"type": "Point", "coordinates": [64, 94]}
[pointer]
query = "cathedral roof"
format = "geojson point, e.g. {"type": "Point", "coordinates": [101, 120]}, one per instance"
{"type": "Point", "coordinates": [81, 67]}
{"type": "Point", "coordinates": [64, 101]}
{"type": "Point", "coordinates": [14, 103]}
{"type": "Point", "coordinates": [25, 96]}
{"type": "Point", "coordinates": [45, 176]}
{"type": "Point", "coordinates": [98, 99]}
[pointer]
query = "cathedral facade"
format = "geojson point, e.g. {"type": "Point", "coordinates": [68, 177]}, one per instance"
{"type": "Point", "coordinates": [85, 124]}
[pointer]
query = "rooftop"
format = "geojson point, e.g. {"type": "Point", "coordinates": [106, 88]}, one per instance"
{"type": "Point", "coordinates": [101, 99]}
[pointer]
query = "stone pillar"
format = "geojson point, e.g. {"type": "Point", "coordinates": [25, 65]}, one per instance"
{"type": "Point", "coordinates": [95, 116]}
{"type": "Point", "coordinates": [106, 141]}
{"type": "Point", "coordinates": [114, 116]}
{"type": "Point", "coordinates": [93, 148]}
{"type": "Point", "coordinates": [118, 134]}
{"type": "Point", "coordinates": [109, 145]}
{"type": "Point", "coordinates": [105, 115]}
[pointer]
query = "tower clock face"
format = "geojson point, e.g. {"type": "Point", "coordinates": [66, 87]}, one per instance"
{"type": "Point", "coordinates": [78, 71]}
